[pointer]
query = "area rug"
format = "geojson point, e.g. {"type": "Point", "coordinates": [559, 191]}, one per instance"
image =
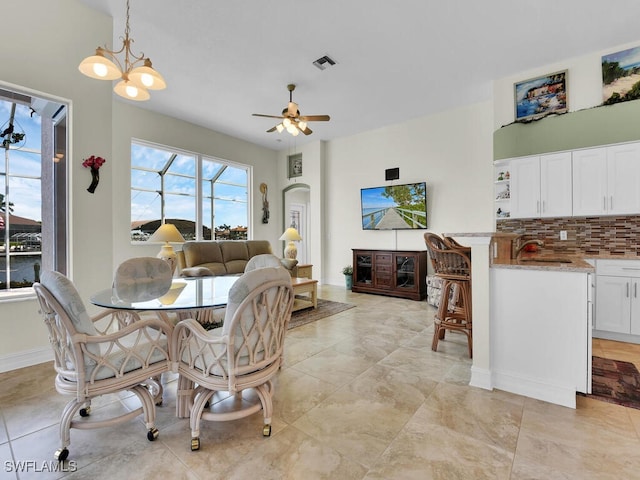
{"type": "Point", "coordinates": [325, 309]}
{"type": "Point", "coordinates": [616, 381]}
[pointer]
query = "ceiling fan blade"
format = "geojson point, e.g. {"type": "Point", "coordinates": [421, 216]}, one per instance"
{"type": "Point", "coordinates": [292, 109]}
{"type": "Point", "coordinates": [272, 129]}
{"type": "Point", "coordinates": [266, 116]}
{"type": "Point", "coordinates": [307, 131]}
{"type": "Point", "coordinates": [315, 118]}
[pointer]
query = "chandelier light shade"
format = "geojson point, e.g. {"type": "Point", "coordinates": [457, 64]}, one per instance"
{"type": "Point", "coordinates": [167, 232]}
{"type": "Point", "coordinates": [136, 72]}
{"type": "Point", "coordinates": [291, 235]}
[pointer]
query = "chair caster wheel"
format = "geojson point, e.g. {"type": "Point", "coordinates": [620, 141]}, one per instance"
{"type": "Point", "coordinates": [85, 412]}
{"type": "Point", "coordinates": [152, 434]}
{"type": "Point", "coordinates": [266, 431]}
{"type": "Point", "coordinates": [195, 444]}
{"type": "Point", "coordinates": [61, 455]}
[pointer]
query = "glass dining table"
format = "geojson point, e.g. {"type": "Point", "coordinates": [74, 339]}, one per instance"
{"type": "Point", "coordinates": [189, 297]}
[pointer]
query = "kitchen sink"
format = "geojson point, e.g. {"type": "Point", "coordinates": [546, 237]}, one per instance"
{"type": "Point", "coordinates": [547, 260]}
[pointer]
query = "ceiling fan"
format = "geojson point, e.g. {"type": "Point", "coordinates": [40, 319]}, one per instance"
{"type": "Point", "coordinates": [292, 121]}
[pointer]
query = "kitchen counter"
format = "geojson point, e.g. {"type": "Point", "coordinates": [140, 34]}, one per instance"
{"type": "Point", "coordinates": [546, 261]}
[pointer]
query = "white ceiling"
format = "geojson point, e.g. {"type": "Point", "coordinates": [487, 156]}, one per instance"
{"type": "Point", "coordinates": [396, 60]}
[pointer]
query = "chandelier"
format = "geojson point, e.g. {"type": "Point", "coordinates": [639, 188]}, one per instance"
{"type": "Point", "coordinates": [136, 73]}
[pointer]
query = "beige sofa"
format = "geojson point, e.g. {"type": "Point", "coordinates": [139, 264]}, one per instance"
{"type": "Point", "coordinates": [223, 257]}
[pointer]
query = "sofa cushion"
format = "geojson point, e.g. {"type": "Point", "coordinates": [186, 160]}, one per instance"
{"type": "Point", "coordinates": [198, 253]}
{"type": "Point", "coordinates": [235, 254]}
{"type": "Point", "coordinates": [258, 247]}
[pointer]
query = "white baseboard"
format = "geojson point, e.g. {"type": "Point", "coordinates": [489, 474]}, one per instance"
{"type": "Point", "coordinates": [481, 378]}
{"type": "Point", "coordinates": [535, 389]}
{"type": "Point", "coordinates": [26, 358]}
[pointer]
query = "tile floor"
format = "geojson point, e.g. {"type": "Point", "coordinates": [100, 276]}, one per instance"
{"type": "Point", "coordinates": [361, 396]}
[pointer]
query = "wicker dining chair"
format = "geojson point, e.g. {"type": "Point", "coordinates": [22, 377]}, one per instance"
{"type": "Point", "coordinates": [112, 352]}
{"type": "Point", "coordinates": [453, 266]}
{"type": "Point", "coordinates": [245, 353]}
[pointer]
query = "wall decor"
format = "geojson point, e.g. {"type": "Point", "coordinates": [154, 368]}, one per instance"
{"type": "Point", "coordinates": [94, 163]}
{"type": "Point", "coordinates": [621, 76]}
{"type": "Point", "coordinates": [265, 203]}
{"type": "Point", "coordinates": [538, 97]}
{"type": "Point", "coordinates": [295, 165]}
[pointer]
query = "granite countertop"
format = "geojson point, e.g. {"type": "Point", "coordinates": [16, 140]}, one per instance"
{"type": "Point", "coordinates": [546, 261]}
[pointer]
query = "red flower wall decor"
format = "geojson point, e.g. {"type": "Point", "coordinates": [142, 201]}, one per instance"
{"type": "Point", "coordinates": [94, 163]}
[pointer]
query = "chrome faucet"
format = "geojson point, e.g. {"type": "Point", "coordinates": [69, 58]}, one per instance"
{"type": "Point", "coordinates": [540, 243]}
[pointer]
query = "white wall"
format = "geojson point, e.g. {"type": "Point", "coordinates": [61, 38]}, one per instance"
{"type": "Point", "coordinates": [451, 150]}
{"type": "Point", "coordinates": [43, 43]}
{"type": "Point", "coordinates": [584, 83]}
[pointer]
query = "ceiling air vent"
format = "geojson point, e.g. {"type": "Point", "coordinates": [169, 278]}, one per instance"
{"type": "Point", "coordinates": [324, 62]}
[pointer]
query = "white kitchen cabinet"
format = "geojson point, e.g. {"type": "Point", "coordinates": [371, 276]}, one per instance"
{"type": "Point", "coordinates": [606, 180]}
{"type": "Point", "coordinates": [617, 299]}
{"type": "Point", "coordinates": [541, 186]}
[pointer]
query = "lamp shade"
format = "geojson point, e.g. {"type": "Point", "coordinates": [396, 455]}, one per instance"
{"type": "Point", "coordinates": [148, 77]}
{"type": "Point", "coordinates": [132, 91]}
{"type": "Point", "coordinates": [100, 67]}
{"type": "Point", "coordinates": [166, 233]}
{"type": "Point", "coordinates": [291, 234]}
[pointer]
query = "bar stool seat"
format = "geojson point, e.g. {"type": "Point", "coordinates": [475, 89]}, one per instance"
{"type": "Point", "coordinates": [451, 263]}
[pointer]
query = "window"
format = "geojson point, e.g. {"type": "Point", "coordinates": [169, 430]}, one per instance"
{"type": "Point", "coordinates": [33, 133]}
{"type": "Point", "coordinates": [204, 198]}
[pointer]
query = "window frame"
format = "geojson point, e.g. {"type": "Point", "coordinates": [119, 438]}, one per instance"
{"type": "Point", "coordinates": [198, 196]}
{"type": "Point", "coordinates": [54, 177]}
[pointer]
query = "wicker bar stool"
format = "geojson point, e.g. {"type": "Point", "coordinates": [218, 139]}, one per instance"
{"type": "Point", "coordinates": [452, 264]}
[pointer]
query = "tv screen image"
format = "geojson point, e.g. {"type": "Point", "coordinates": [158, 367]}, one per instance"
{"type": "Point", "coordinates": [395, 207]}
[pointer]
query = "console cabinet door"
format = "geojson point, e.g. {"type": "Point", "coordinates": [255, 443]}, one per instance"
{"type": "Point", "coordinates": [613, 304]}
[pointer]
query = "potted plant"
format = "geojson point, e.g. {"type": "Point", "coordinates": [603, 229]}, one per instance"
{"type": "Point", "coordinates": [348, 276]}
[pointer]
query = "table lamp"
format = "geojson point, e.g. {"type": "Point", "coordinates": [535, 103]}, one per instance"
{"type": "Point", "coordinates": [291, 235]}
{"type": "Point", "coordinates": [167, 233]}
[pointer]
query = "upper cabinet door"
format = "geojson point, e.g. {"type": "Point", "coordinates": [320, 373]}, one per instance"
{"type": "Point", "coordinates": [555, 185]}
{"type": "Point", "coordinates": [525, 187]}
{"type": "Point", "coordinates": [590, 182]}
{"type": "Point", "coordinates": [623, 179]}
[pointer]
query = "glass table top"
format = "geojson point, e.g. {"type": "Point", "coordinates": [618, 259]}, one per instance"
{"type": "Point", "coordinates": [185, 293]}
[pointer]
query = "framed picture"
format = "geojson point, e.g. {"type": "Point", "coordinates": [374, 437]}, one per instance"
{"type": "Point", "coordinates": [621, 76]}
{"type": "Point", "coordinates": [295, 165]}
{"type": "Point", "coordinates": [538, 97]}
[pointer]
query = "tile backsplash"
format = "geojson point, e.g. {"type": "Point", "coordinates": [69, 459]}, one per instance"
{"type": "Point", "coordinates": [585, 235]}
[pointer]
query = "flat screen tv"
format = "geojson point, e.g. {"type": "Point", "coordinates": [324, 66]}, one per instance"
{"type": "Point", "coordinates": [395, 207]}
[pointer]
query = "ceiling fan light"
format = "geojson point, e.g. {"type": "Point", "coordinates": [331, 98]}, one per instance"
{"type": "Point", "coordinates": [279, 128]}
{"type": "Point", "coordinates": [99, 67]}
{"type": "Point", "coordinates": [131, 91]}
{"type": "Point", "coordinates": [295, 132]}
{"type": "Point", "coordinates": [286, 122]}
{"type": "Point", "coordinates": [302, 125]}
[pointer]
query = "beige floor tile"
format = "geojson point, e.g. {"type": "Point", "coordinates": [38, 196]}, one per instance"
{"type": "Point", "coordinates": [358, 427]}
{"type": "Point", "coordinates": [475, 413]}
{"type": "Point", "coordinates": [291, 454]}
{"type": "Point", "coordinates": [296, 393]}
{"type": "Point", "coordinates": [424, 451]}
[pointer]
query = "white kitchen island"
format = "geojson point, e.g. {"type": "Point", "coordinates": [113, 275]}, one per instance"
{"type": "Point", "coordinates": [540, 330]}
